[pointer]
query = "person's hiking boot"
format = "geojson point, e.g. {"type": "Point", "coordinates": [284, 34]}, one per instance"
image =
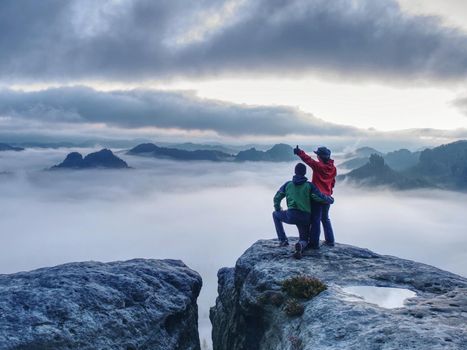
{"type": "Point", "coordinates": [298, 251]}
{"type": "Point", "coordinates": [283, 243]}
{"type": "Point", "coordinates": [312, 247]}
{"type": "Point", "coordinates": [329, 244]}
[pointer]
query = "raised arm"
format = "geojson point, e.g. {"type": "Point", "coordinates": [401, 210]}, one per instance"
{"type": "Point", "coordinates": [305, 157]}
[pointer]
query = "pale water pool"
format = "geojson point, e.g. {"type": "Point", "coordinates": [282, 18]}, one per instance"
{"type": "Point", "coordinates": [386, 297]}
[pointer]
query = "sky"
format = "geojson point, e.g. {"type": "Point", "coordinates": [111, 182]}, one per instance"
{"type": "Point", "coordinates": [346, 71]}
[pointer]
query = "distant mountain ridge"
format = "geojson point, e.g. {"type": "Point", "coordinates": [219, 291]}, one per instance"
{"type": "Point", "coordinates": [278, 153]}
{"type": "Point", "coordinates": [441, 167]}
{"type": "Point", "coordinates": [444, 164]}
{"type": "Point", "coordinates": [377, 173]}
{"type": "Point", "coordinates": [6, 147]}
{"type": "Point", "coordinates": [190, 146]}
{"type": "Point", "coordinates": [398, 160]}
{"type": "Point", "coordinates": [150, 149]}
{"type": "Point", "coordinates": [101, 159]}
{"type": "Point", "coordinates": [362, 152]}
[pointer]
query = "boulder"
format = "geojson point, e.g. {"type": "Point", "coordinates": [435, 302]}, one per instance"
{"type": "Point", "coordinates": [136, 304]}
{"type": "Point", "coordinates": [257, 310]}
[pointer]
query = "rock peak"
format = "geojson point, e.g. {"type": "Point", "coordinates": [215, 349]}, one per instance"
{"type": "Point", "coordinates": [252, 310]}
{"type": "Point", "coordinates": [100, 159]}
{"type": "Point", "coordinates": [135, 304]}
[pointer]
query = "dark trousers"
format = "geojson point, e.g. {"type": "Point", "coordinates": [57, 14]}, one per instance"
{"type": "Point", "coordinates": [294, 217]}
{"type": "Point", "coordinates": [320, 215]}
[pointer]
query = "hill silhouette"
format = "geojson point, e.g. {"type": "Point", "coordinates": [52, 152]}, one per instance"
{"type": "Point", "coordinates": [445, 165]}
{"type": "Point", "coordinates": [398, 160]}
{"type": "Point", "coordinates": [6, 147]}
{"type": "Point", "coordinates": [150, 149]}
{"type": "Point", "coordinates": [101, 159]}
{"type": "Point", "coordinates": [377, 173]}
{"type": "Point", "coordinates": [278, 153]}
{"type": "Point", "coordinates": [363, 152]}
{"type": "Point", "coordinates": [442, 167]}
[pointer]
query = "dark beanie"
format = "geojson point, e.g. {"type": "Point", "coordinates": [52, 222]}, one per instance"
{"type": "Point", "coordinates": [300, 169]}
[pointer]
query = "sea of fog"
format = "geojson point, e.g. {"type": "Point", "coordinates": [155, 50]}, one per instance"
{"type": "Point", "coordinates": [203, 213]}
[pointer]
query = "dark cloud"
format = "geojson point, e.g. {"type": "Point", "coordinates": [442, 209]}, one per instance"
{"type": "Point", "coordinates": [161, 109]}
{"type": "Point", "coordinates": [86, 39]}
{"type": "Point", "coordinates": [82, 114]}
{"type": "Point", "coordinates": [364, 37]}
{"type": "Point", "coordinates": [133, 40]}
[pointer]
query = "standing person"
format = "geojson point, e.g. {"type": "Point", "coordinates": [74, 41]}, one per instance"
{"type": "Point", "coordinates": [299, 194]}
{"type": "Point", "coordinates": [324, 177]}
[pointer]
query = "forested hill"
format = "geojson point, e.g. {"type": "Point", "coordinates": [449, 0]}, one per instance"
{"type": "Point", "coordinates": [442, 167]}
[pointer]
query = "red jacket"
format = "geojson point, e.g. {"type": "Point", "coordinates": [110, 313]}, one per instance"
{"type": "Point", "coordinates": [324, 174]}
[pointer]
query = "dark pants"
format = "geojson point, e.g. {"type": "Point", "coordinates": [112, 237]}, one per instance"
{"type": "Point", "coordinates": [294, 217]}
{"type": "Point", "coordinates": [320, 214]}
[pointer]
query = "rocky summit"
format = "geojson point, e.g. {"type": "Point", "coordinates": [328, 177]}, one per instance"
{"type": "Point", "coordinates": [101, 159]}
{"type": "Point", "coordinates": [271, 301]}
{"type": "Point", "coordinates": [136, 304]}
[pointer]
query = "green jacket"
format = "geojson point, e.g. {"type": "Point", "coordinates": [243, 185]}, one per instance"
{"type": "Point", "coordinates": [299, 193]}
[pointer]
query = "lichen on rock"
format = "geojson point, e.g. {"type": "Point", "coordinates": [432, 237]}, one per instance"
{"type": "Point", "coordinates": [303, 287]}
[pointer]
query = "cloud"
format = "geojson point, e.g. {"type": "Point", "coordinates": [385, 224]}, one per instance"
{"type": "Point", "coordinates": [126, 117]}
{"type": "Point", "coordinates": [363, 37]}
{"type": "Point", "coordinates": [60, 40]}
{"type": "Point", "coordinates": [461, 104]}
{"type": "Point", "coordinates": [138, 40]}
{"type": "Point", "coordinates": [160, 109]}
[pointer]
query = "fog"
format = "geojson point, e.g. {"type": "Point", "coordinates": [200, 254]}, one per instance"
{"type": "Point", "coordinates": [205, 214]}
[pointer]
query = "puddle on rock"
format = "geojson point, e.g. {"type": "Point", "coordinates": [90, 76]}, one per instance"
{"type": "Point", "coordinates": [388, 298]}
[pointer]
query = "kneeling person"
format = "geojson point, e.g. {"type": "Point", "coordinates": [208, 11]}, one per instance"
{"type": "Point", "coordinates": [298, 193]}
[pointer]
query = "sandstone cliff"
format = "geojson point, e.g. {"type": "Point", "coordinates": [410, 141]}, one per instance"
{"type": "Point", "coordinates": [136, 304]}
{"type": "Point", "coordinates": [255, 310]}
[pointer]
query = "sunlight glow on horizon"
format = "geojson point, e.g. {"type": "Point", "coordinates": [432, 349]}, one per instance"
{"type": "Point", "coordinates": [367, 106]}
{"type": "Point", "coordinates": [363, 105]}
